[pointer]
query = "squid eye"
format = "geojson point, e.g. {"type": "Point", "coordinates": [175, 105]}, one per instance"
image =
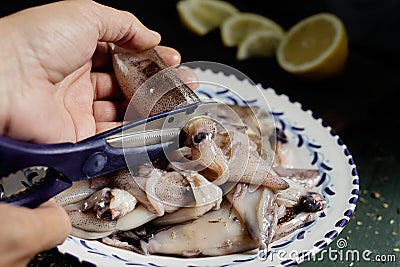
{"type": "Point", "coordinates": [199, 137]}
{"type": "Point", "coordinates": [106, 215]}
{"type": "Point", "coordinates": [311, 203]}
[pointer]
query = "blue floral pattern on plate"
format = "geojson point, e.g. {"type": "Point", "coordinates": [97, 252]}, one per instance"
{"type": "Point", "coordinates": [314, 142]}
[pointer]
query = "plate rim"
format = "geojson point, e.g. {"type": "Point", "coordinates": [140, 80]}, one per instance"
{"type": "Point", "coordinates": [323, 242]}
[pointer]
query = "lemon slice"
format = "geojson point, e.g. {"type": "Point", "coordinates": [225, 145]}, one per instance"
{"type": "Point", "coordinates": [203, 16]}
{"type": "Point", "coordinates": [314, 48]}
{"type": "Point", "coordinates": [236, 28]}
{"type": "Point", "coordinates": [260, 43]}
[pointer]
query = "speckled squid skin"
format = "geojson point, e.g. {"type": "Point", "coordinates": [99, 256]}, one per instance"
{"type": "Point", "coordinates": [160, 93]}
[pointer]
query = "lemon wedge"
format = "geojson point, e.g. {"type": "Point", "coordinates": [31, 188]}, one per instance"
{"type": "Point", "coordinates": [203, 16]}
{"type": "Point", "coordinates": [315, 48]}
{"type": "Point", "coordinates": [236, 28]}
{"type": "Point", "coordinates": [259, 43]}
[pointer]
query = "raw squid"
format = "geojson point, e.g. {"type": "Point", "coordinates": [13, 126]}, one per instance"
{"type": "Point", "coordinates": [224, 191]}
{"type": "Point", "coordinates": [132, 69]}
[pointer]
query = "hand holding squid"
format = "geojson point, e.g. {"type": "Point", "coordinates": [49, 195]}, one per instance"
{"type": "Point", "coordinates": [55, 78]}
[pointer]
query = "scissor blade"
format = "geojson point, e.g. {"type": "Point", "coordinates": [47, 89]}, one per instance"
{"type": "Point", "coordinates": [160, 128]}
{"type": "Point", "coordinates": [143, 138]}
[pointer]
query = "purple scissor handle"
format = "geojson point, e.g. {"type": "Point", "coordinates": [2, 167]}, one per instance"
{"type": "Point", "coordinates": [63, 163]}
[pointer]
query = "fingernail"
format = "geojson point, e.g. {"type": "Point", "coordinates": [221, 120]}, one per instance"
{"type": "Point", "coordinates": [176, 59]}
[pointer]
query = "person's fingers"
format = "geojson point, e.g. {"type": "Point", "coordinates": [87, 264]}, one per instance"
{"type": "Point", "coordinates": [104, 126]}
{"type": "Point", "coordinates": [170, 55]}
{"type": "Point", "coordinates": [123, 28]}
{"type": "Point", "coordinates": [188, 77]}
{"type": "Point", "coordinates": [109, 111]}
{"type": "Point", "coordinates": [53, 225]}
{"type": "Point", "coordinates": [101, 59]}
{"type": "Point", "coordinates": [26, 232]}
{"type": "Point", "coordinates": [105, 87]}
{"type": "Point", "coordinates": [79, 102]}
{"type": "Point", "coordinates": [104, 111]}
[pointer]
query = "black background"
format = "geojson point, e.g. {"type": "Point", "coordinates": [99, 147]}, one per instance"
{"type": "Point", "coordinates": [367, 86]}
{"type": "Point", "coordinates": [361, 104]}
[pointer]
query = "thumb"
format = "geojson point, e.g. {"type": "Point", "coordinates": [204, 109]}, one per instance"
{"type": "Point", "coordinates": [26, 232]}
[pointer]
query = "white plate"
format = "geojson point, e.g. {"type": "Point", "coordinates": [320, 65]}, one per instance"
{"type": "Point", "coordinates": [315, 144]}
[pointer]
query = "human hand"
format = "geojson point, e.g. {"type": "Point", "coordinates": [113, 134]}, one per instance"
{"type": "Point", "coordinates": [56, 86]}
{"type": "Point", "coordinates": [26, 232]}
{"type": "Point", "coordinates": [51, 89]}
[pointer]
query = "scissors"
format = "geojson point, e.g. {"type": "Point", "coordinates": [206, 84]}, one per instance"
{"type": "Point", "coordinates": [31, 174]}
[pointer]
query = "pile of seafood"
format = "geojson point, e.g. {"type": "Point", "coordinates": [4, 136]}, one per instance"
{"type": "Point", "coordinates": [229, 188]}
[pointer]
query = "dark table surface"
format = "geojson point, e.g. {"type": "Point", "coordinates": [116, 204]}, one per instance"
{"type": "Point", "coordinates": [360, 104]}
